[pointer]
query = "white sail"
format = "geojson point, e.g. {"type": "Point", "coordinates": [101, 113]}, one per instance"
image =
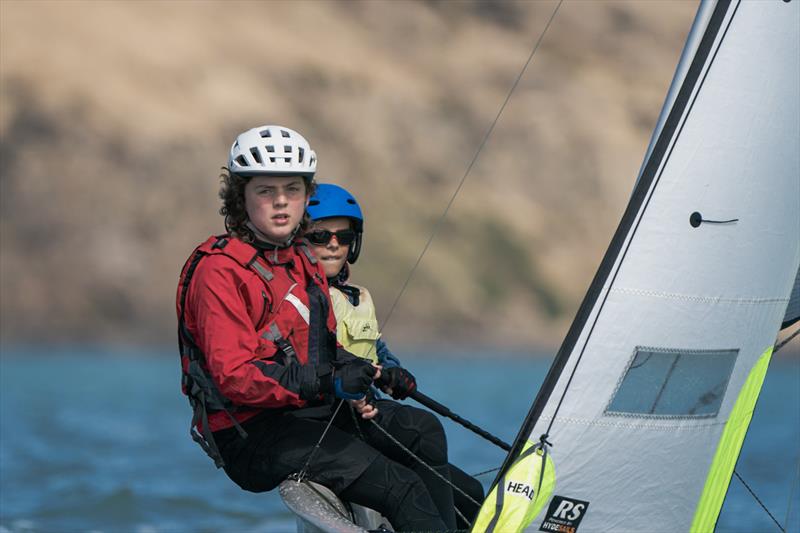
{"type": "Point", "coordinates": [649, 398]}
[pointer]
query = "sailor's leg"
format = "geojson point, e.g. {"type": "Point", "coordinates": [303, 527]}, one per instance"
{"type": "Point", "coordinates": [422, 433]}
{"type": "Point", "coordinates": [398, 494]}
{"type": "Point", "coordinates": [278, 448]}
{"type": "Point", "coordinates": [473, 488]}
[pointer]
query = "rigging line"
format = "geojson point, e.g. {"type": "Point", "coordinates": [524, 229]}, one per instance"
{"type": "Point", "coordinates": [795, 484]}
{"type": "Point", "coordinates": [759, 501]}
{"type": "Point", "coordinates": [486, 472]}
{"type": "Point", "coordinates": [635, 227]}
{"type": "Point", "coordinates": [777, 347]}
{"type": "Point", "coordinates": [304, 471]}
{"type": "Point", "coordinates": [438, 223]}
{"type": "Point", "coordinates": [355, 422]}
{"type": "Point", "coordinates": [429, 468]}
{"type": "Point", "coordinates": [423, 463]}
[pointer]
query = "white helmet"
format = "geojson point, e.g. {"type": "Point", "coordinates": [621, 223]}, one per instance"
{"type": "Point", "coordinates": [272, 150]}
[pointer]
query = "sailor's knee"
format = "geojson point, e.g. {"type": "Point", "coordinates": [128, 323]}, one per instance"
{"type": "Point", "coordinates": [424, 431]}
{"type": "Point", "coordinates": [398, 489]}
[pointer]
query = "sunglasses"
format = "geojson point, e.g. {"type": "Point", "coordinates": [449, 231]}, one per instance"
{"type": "Point", "coordinates": [322, 237]}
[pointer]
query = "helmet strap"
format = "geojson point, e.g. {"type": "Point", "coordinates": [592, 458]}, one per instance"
{"type": "Point", "coordinates": [355, 249]}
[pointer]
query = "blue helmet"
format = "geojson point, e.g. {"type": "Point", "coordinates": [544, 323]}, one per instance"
{"type": "Point", "coordinates": [331, 201]}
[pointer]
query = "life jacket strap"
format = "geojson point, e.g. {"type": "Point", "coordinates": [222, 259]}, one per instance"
{"type": "Point", "coordinates": [308, 253]}
{"type": "Point", "coordinates": [206, 439]}
{"type": "Point", "coordinates": [221, 243]}
{"type": "Point", "coordinates": [274, 335]}
{"type": "Point", "coordinates": [202, 384]}
{"type": "Point", "coordinates": [261, 270]}
{"type": "Point", "coordinates": [203, 394]}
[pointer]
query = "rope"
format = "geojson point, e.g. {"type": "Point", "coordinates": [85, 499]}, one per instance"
{"type": "Point", "coordinates": [778, 346]}
{"type": "Point", "coordinates": [438, 223]}
{"type": "Point", "coordinates": [791, 492]}
{"type": "Point", "coordinates": [759, 501]}
{"type": "Point", "coordinates": [355, 422]}
{"type": "Point", "coordinates": [429, 468]}
{"type": "Point", "coordinates": [301, 476]}
{"type": "Point", "coordinates": [486, 472]}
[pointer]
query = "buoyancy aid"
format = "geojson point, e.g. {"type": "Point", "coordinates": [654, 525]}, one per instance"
{"type": "Point", "coordinates": [356, 325]}
{"type": "Point", "coordinates": [253, 326]}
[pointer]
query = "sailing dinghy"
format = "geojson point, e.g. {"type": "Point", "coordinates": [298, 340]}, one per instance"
{"type": "Point", "coordinates": [641, 418]}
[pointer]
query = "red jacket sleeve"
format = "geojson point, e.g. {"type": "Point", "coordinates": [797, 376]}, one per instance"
{"type": "Point", "coordinates": [239, 363]}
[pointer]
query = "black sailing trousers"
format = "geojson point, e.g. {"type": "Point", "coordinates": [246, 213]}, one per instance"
{"type": "Point", "coordinates": [358, 462]}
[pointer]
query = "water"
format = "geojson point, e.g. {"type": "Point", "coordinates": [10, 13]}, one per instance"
{"type": "Point", "coordinates": [99, 442]}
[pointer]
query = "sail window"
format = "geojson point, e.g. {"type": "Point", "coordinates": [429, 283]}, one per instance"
{"type": "Point", "coordinates": [683, 383]}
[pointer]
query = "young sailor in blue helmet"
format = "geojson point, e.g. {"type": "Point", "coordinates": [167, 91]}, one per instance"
{"type": "Point", "coordinates": [257, 337]}
{"type": "Point", "coordinates": [335, 236]}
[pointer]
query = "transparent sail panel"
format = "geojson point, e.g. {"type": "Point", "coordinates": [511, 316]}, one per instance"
{"type": "Point", "coordinates": [666, 382]}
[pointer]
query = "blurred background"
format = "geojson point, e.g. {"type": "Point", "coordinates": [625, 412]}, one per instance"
{"type": "Point", "coordinates": [115, 118]}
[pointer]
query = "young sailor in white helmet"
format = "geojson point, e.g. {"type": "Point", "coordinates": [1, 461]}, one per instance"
{"type": "Point", "coordinates": [257, 335]}
{"type": "Point", "coordinates": [335, 237]}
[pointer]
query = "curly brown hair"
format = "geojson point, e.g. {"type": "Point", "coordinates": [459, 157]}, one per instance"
{"type": "Point", "coordinates": [231, 192]}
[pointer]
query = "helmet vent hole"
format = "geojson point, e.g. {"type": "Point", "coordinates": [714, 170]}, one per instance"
{"type": "Point", "coordinates": [285, 134]}
{"type": "Point", "coordinates": [287, 148]}
{"type": "Point", "coordinates": [270, 148]}
{"type": "Point", "coordinates": [242, 161]}
{"type": "Point", "coordinates": [287, 159]}
{"type": "Point", "coordinates": [266, 134]}
{"type": "Point", "coordinates": [256, 155]}
{"type": "Point", "coordinates": [301, 153]}
{"type": "Point", "coordinates": [271, 159]}
{"type": "Point", "coordinates": [313, 202]}
{"type": "Point", "coordinates": [351, 201]}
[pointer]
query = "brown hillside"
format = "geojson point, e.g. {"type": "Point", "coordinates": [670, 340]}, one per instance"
{"type": "Point", "coordinates": [116, 116]}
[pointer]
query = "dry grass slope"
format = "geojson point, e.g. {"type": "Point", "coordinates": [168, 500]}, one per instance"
{"type": "Point", "coordinates": [116, 116]}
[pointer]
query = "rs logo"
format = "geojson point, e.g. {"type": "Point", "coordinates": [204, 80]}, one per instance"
{"type": "Point", "coordinates": [564, 515]}
{"type": "Point", "coordinates": [568, 510]}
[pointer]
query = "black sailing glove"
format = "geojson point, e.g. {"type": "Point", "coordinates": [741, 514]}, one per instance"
{"type": "Point", "coordinates": [349, 380]}
{"type": "Point", "coordinates": [400, 381]}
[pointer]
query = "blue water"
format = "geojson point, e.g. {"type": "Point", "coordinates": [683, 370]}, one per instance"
{"type": "Point", "coordinates": [98, 442]}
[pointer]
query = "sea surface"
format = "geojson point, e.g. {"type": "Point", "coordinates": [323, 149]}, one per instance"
{"type": "Point", "coordinates": [97, 441]}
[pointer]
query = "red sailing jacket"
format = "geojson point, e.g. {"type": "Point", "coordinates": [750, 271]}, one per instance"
{"type": "Point", "coordinates": [251, 318]}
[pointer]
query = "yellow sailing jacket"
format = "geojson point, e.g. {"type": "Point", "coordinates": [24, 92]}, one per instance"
{"type": "Point", "coordinates": [356, 325]}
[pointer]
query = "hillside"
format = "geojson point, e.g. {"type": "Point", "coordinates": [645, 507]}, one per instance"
{"type": "Point", "coordinates": [115, 118]}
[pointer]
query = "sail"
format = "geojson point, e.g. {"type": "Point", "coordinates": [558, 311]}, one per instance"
{"type": "Point", "coordinates": [645, 408]}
